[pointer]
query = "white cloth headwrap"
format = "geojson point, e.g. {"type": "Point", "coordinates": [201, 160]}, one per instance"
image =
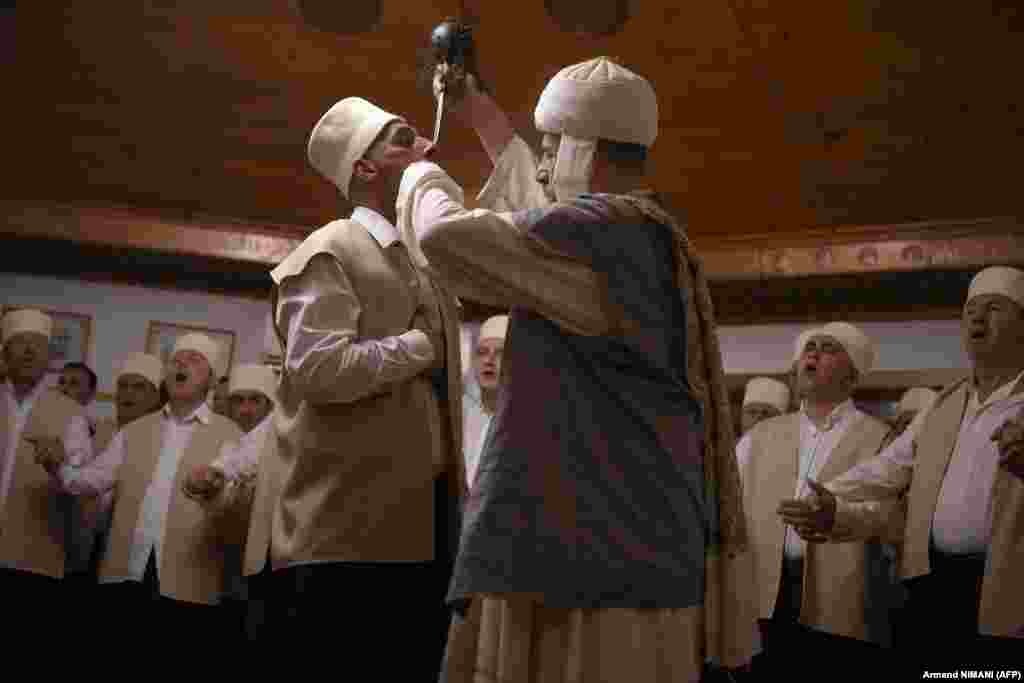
{"type": "Point", "coordinates": [26, 320]}
{"type": "Point", "coordinates": [342, 136]}
{"type": "Point", "coordinates": [254, 377]}
{"type": "Point", "coordinates": [596, 99]}
{"type": "Point", "coordinates": [200, 343]}
{"type": "Point", "coordinates": [917, 399]}
{"type": "Point", "coordinates": [767, 390]}
{"type": "Point", "coordinates": [142, 364]}
{"type": "Point", "coordinates": [998, 280]}
{"type": "Point", "coordinates": [494, 328]}
{"type": "Point", "coordinates": [858, 346]}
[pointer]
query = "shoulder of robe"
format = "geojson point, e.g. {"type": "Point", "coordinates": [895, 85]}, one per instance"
{"type": "Point", "coordinates": [868, 421]}
{"type": "Point", "coordinates": [331, 239]}
{"type": "Point", "coordinates": [54, 401]}
{"type": "Point", "coordinates": [143, 424]}
{"type": "Point", "coordinates": [226, 427]}
{"type": "Point", "coordinates": [951, 389]}
{"type": "Point", "coordinates": [767, 429]}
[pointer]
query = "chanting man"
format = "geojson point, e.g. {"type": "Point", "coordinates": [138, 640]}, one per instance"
{"type": "Point", "coordinates": [481, 396]}
{"type": "Point", "coordinates": [961, 466]}
{"type": "Point", "coordinates": [815, 597]}
{"type": "Point", "coordinates": [164, 564]}
{"type": "Point", "coordinates": [35, 425]}
{"type": "Point", "coordinates": [608, 483]}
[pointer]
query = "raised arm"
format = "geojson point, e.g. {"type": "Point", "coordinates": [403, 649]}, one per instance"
{"type": "Point", "coordinates": [488, 256]}
{"type": "Point", "coordinates": [325, 358]}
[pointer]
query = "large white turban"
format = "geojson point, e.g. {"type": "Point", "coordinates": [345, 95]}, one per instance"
{"type": "Point", "coordinates": [858, 346]}
{"type": "Point", "coordinates": [917, 399]}
{"type": "Point", "coordinates": [200, 343]}
{"type": "Point", "coordinates": [998, 280]}
{"type": "Point", "coordinates": [254, 377]}
{"type": "Point", "coordinates": [342, 136]}
{"type": "Point", "coordinates": [494, 328]}
{"type": "Point", "coordinates": [26, 320]}
{"type": "Point", "coordinates": [767, 390]}
{"type": "Point", "coordinates": [586, 102]}
{"type": "Point", "coordinates": [143, 364]}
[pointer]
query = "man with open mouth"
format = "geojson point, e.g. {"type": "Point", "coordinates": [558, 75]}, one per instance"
{"type": "Point", "coordinates": [798, 607]}
{"type": "Point", "coordinates": [961, 467]}
{"type": "Point", "coordinates": [34, 424]}
{"type": "Point", "coordinates": [164, 563]}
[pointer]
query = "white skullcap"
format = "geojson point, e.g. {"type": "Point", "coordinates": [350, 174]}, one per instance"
{"type": "Point", "coordinates": [801, 342]}
{"type": "Point", "coordinates": [858, 346]}
{"type": "Point", "coordinates": [194, 341]}
{"type": "Point", "coordinates": [599, 99]}
{"type": "Point", "coordinates": [254, 377]}
{"type": "Point", "coordinates": [998, 280]}
{"type": "Point", "coordinates": [26, 320]}
{"type": "Point", "coordinates": [496, 327]}
{"type": "Point", "coordinates": [767, 390]}
{"type": "Point", "coordinates": [917, 399]}
{"type": "Point", "coordinates": [144, 364]}
{"type": "Point", "coordinates": [342, 136]}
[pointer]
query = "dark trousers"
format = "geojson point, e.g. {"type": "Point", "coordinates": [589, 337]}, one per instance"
{"type": "Point", "coordinates": [791, 650]}
{"type": "Point", "coordinates": [150, 620]}
{"type": "Point", "coordinates": [940, 628]}
{"type": "Point", "coordinates": [389, 618]}
{"type": "Point", "coordinates": [28, 605]}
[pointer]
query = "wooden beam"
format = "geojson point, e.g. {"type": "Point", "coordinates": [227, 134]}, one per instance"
{"type": "Point", "coordinates": [944, 245]}
{"type": "Point", "coordinates": [132, 229]}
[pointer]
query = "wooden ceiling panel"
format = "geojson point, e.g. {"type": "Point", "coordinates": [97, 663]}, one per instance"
{"type": "Point", "coordinates": [775, 116]}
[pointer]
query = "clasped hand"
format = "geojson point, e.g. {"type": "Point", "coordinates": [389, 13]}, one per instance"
{"type": "Point", "coordinates": [1009, 439]}
{"type": "Point", "coordinates": [204, 483]}
{"type": "Point", "coordinates": [813, 517]}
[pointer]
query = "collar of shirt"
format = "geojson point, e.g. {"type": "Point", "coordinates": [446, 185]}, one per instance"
{"type": "Point", "coordinates": [838, 414]}
{"type": "Point", "coordinates": [201, 414]}
{"type": "Point", "coordinates": [259, 430]}
{"type": "Point", "coordinates": [999, 394]}
{"type": "Point", "coordinates": [381, 228]}
{"type": "Point", "coordinates": [29, 399]}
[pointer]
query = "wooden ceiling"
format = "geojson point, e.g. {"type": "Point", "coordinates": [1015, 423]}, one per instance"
{"type": "Point", "coordinates": [775, 116]}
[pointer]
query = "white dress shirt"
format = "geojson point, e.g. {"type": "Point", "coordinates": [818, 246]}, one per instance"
{"type": "Point", "coordinates": [816, 446]}
{"type": "Point", "coordinates": [100, 475]}
{"type": "Point", "coordinates": [476, 421]}
{"type": "Point", "coordinates": [320, 310]}
{"type": "Point", "coordinates": [76, 439]}
{"type": "Point", "coordinates": [962, 522]}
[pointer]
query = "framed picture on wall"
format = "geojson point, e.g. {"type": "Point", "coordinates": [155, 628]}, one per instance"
{"type": "Point", "coordinates": [161, 337]}
{"type": "Point", "coordinates": [72, 334]}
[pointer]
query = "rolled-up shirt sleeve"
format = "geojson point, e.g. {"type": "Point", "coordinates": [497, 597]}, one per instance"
{"type": "Point", "coordinates": [489, 257]}
{"type": "Point", "coordinates": [325, 358]}
{"type": "Point", "coordinates": [97, 476]}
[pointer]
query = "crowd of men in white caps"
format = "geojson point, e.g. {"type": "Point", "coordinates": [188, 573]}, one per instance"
{"type": "Point", "coordinates": [581, 510]}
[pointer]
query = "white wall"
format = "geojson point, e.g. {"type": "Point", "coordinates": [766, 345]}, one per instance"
{"type": "Point", "coordinates": [121, 314]}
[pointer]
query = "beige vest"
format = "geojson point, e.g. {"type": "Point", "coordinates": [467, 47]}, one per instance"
{"type": "Point", "coordinates": [192, 562]}
{"type": "Point", "coordinates": [32, 521]}
{"type": "Point", "coordinates": [836, 579]}
{"type": "Point", "coordinates": [105, 430]}
{"type": "Point", "coordinates": [268, 490]}
{"type": "Point", "coordinates": [356, 479]}
{"type": "Point", "coordinates": [1001, 611]}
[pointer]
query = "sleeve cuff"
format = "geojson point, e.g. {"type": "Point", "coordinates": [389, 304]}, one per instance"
{"type": "Point", "coordinates": [417, 344]}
